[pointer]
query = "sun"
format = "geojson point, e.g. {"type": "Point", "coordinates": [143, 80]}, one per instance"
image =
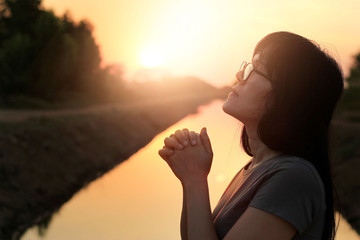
{"type": "Point", "coordinates": [151, 58]}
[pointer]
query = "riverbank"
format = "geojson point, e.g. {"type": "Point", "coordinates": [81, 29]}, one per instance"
{"type": "Point", "coordinates": [345, 156]}
{"type": "Point", "coordinates": [45, 160]}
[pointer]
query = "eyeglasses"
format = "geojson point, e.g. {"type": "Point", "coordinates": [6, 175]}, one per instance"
{"type": "Point", "coordinates": [246, 69]}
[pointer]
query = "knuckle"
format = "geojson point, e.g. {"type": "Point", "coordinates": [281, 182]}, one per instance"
{"type": "Point", "coordinates": [167, 141]}
{"type": "Point", "coordinates": [179, 135]}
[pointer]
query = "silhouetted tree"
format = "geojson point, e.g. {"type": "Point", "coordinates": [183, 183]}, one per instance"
{"type": "Point", "coordinates": [350, 99]}
{"type": "Point", "coordinates": [354, 77]}
{"type": "Point", "coordinates": [47, 57]}
{"type": "Point", "coordinates": [22, 12]}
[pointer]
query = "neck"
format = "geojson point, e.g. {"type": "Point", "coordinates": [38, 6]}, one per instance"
{"type": "Point", "coordinates": [260, 151]}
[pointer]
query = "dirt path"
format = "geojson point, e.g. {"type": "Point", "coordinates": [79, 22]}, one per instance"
{"type": "Point", "coordinates": [21, 115]}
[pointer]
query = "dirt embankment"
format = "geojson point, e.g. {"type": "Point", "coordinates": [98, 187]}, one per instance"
{"type": "Point", "coordinates": [45, 157]}
{"type": "Point", "coordinates": [345, 155]}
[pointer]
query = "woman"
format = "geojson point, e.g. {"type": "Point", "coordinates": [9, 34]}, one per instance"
{"type": "Point", "coordinates": [285, 98]}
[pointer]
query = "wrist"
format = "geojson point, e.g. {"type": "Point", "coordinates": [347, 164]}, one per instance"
{"type": "Point", "coordinates": [195, 182]}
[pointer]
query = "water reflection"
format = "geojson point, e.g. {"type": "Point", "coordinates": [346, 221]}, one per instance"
{"type": "Point", "coordinates": [141, 198]}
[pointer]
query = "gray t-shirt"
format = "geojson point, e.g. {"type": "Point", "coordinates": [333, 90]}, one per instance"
{"type": "Point", "coordinates": [286, 186]}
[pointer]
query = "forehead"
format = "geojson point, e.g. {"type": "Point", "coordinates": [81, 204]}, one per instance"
{"type": "Point", "coordinates": [256, 57]}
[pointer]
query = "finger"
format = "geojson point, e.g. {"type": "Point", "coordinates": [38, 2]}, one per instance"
{"type": "Point", "coordinates": [186, 134]}
{"type": "Point", "coordinates": [172, 144]}
{"type": "Point", "coordinates": [163, 155]}
{"type": "Point", "coordinates": [193, 138]}
{"type": "Point", "coordinates": [181, 138]}
{"type": "Point", "coordinates": [205, 140]}
{"type": "Point", "coordinates": [167, 151]}
{"type": "Point", "coordinates": [172, 136]}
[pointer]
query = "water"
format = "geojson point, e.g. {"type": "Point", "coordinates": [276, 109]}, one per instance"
{"type": "Point", "coordinates": [141, 198]}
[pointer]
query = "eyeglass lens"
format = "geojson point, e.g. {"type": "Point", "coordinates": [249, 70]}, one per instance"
{"type": "Point", "coordinates": [246, 68]}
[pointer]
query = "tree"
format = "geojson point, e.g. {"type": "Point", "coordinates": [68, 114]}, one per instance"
{"type": "Point", "coordinates": [354, 77]}
{"type": "Point", "coordinates": [45, 56]}
{"type": "Point", "coordinates": [350, 99]}
{"type": "Point", "coordinates": [17, 14]}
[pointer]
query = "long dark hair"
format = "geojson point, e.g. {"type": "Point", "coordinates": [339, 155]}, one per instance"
{"type": "Point", "coordinates": [307, 84]}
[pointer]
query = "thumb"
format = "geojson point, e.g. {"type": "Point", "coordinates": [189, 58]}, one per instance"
{"type": "Point", "coordinates": [205, 140]}
{"type": "Point", "coordinates": [164, 154]}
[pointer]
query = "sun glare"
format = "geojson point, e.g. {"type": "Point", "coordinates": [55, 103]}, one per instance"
{"type": "Point", "coordinates": [151, 58]}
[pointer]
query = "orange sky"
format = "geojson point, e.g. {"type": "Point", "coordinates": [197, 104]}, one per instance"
{"type": "Point", "coordinates": [210, 38]}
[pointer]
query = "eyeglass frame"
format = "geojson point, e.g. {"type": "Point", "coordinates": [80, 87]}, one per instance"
{"type": "Point", "coordinates": [243, 67]}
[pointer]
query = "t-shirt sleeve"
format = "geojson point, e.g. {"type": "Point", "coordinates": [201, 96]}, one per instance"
{"type": "Point", "coordinates": [293, 193]}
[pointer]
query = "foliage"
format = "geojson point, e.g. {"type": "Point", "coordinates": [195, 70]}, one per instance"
{"type": "Point", "coordinates": [354, 78]}
{"type": "Point", "coordinates": [48, 57]}
{"type": "Point", "coordinates": [44, 161]}
{"type": "Point", "coordinates": [350, 99]}
{"type": "Point", "coordinates": [345, 136]}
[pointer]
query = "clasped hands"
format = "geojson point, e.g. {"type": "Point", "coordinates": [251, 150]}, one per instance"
{"type": "Point", "coordinates": [189, 154]}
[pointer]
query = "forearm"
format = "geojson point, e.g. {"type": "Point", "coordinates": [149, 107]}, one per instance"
{"type": "Point", "coordinates": [199, 218]}
{"type": "Point", "coordinates": [183, 222]}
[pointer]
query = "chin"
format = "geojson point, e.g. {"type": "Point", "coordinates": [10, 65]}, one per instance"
{"type": "Point", "coordinates": [232, 110]}
{"type": "Point", "coordinates": [227, 108]}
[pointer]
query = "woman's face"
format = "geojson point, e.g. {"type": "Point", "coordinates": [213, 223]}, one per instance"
{"type": "Point", "coordinates": [247, 100]}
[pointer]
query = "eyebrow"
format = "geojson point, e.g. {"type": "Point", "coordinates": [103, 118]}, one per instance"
{"type": "Point", "coordinates": [258, 62]}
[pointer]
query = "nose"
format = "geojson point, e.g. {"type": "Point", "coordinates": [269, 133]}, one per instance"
{"type": "Point", "coordinates": [240, 75]}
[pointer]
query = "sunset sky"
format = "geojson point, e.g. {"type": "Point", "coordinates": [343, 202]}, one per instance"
{"type": "Point", "coordinates": [209, 38]}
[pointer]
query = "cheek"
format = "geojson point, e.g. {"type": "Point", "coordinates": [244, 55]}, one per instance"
{"type": "Point", "coordinates": [260, 101]}
{"type": "Point", "coordinates": [261, 94]}
{"type": "Point", "coordinates": [250, 105]}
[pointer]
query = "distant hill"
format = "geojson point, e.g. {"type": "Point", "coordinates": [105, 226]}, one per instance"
{"type": "Point", "coordinates": [176, 86]}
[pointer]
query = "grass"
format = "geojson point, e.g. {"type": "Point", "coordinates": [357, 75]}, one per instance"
{"type": "Point", "coordinates": [346, 164]}
{"type": "Point", "coordinates": [69, 101]}
{"type": "Point", "coordinates": [345, 147]}
{"type": "Point", "coordinates": [44, 161]}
